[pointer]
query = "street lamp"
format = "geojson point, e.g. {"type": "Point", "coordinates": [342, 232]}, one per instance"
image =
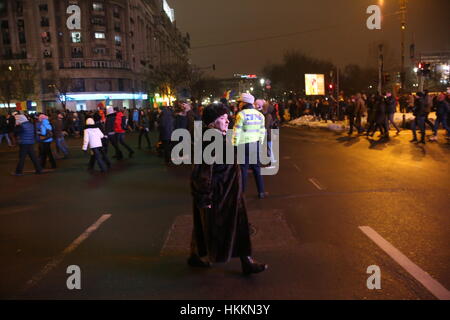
{"type": "Point", "coordinates": [262, 81]}
{"type": "Point", "coordinates": [10, 68]}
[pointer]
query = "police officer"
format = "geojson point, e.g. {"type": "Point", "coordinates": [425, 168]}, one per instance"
{"type": "Point", "coordinates": [249, 132]}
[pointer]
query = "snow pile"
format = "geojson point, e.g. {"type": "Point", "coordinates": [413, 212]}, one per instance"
{"type": "Point", "coordinates": [312, 122]}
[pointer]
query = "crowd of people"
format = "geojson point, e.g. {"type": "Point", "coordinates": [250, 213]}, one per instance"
{"type": "Point", "coordinates": [377, 111]}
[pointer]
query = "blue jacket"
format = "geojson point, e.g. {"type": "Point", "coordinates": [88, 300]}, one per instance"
{"type": "Point", "coordinates": [25, 133]}
{"type": "Point", "coordinates": [42, 129]}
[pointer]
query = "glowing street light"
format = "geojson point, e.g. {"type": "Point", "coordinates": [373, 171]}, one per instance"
{"type": "Point", "coordinates": [262, 81]}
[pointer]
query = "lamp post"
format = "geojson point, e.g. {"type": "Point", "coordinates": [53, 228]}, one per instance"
{"type": "Point", "coordinates": [403, 30]}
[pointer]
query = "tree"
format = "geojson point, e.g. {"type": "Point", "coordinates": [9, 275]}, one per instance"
{"type": "Point", "coordinates": [26, 80]}
{"type": "Point", "coordinates": [62, 87]}
{"type": "Point", "coordinates": [8, 85]}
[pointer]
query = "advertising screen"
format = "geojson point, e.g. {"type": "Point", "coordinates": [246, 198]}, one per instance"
{"type": "Point", "coordinates": [314, 84]}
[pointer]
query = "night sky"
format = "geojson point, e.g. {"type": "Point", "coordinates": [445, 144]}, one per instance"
{"type": "Point", "coordinates": [328, 29]}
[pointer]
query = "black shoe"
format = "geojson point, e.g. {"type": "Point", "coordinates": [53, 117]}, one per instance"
{"type": "Point", "coordinates": [249, 266]}
{"type": "Point", "coordinates": [196, 262]}
{"type": "Point", "coordinates": [422, 141]}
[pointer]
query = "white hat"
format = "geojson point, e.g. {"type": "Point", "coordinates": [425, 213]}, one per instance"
{"type": "Point", "coordinates": [109, 110]}
{"type": "Point", "coordinates": [247, 98]}
{"type": "Point", "coordinates": [259, 104]}
{"type": "Point", "coordinates": [90, 122]}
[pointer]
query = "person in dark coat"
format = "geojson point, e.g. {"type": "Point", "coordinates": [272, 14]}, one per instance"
{"type": "Point", "coordinates": [25, 132]}
{"type": "Point", "coordinates": [221, 228]}
{"type": "Point", "coordinates": [144, 128]}
{"type": "Point", "coordinates": [111, 134]}
{"type": "Point", "coordinates": [4, 130]}
{"type": "Point", "coordinates": [391, 106]}
{"type": "Point", "coordinates": [165, 125]}
{"type": "Point", "coordinates": [420, 113]}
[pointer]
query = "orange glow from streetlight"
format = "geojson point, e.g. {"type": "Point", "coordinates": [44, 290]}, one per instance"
{"type": "Point", "coordinates": [381, 2]}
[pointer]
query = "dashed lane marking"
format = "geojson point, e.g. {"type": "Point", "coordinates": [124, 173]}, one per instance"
{"type": "Point", "coordinates": [438, 290]}
{"type": "Point", "coordinates": [316, 183]}
{"type": "Point", "coordinates": [58, 259]}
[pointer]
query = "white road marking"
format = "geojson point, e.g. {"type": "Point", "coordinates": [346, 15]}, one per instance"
{"type": "Point", "coordinates": [58, 259]}
{"type": "Point", "coordinates": [296, 167]}
{"type": "Point", "coordinates": [316, 183]}
{"type": "Point", "coordinates": [438, 290]}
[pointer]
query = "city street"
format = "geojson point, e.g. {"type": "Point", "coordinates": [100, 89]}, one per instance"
{"type": "Point", "coordinates": [338, 205]}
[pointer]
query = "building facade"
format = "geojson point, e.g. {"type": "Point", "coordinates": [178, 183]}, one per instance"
{"type": "Point", "coordinates": [89, 51]}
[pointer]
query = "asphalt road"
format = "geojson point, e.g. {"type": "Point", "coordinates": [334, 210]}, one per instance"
{"type": "Point", "coordinates": [307, 230]}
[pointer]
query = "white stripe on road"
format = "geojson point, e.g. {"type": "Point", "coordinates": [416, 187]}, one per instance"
{"type": "Point", "coordinates": [57, 260]}
{"type": "Point", "coordinates": [316, 183]}
{"type": "Point", "coordinates": [438, 290]}
{"type": "Point", "coordinates": [298, 169]}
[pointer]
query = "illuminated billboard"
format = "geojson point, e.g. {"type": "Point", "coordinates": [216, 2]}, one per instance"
{"type": "Point", "coordinates": [315, 84]}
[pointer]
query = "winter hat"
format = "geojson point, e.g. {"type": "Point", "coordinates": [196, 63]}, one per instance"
{"type": "Point", "coordinates": [247, 98]}
{"type": "Point", "coordinates": [90, 122]}
{"type": "Point", "coordinates": [212, 112]}
{"type": "Point", "coordinates": [20, 118]}
{"type": "Point", "coordinates": [109, 110]}
{"type": "Point", "coordinates": [259, 104]}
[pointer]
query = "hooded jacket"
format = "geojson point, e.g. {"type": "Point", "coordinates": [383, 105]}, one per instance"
{"type": "Point", "coordinates": [42, 129]}
{"type": "Point", "coordinates": [119, 123]}
{"type": "Point", "coordinates": [25, 133]}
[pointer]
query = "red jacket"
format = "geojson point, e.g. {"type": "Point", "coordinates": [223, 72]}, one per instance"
{"type": "Point", "coordinates": [118, 123]}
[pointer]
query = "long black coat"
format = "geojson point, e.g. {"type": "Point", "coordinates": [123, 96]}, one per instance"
{"type": "Point", "coordinates": [222, 231]}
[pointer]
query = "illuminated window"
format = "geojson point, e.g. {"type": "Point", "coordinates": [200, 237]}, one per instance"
{"type": "Point", "coordinates": [76, 37]}
{"type": "Point", "coordinates": [45, 36]}
{"type": "Point", "coordinates": [118, 40]}
{"type": "Point", "coordinates": [99, 35]}
{"type": "Point", "coordinates": [97, 6]}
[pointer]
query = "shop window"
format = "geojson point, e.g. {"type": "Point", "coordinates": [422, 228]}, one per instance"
{"type": "Point", "coordinates": [76, 37]}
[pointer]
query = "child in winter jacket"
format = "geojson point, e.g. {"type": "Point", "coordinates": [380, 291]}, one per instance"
{"type": "Point", "coordinates": [93, 139]}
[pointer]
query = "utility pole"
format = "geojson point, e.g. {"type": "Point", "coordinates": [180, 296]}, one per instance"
{"type": "Point", "coordinates": [403, 30]}
{"type": "Point", "coordinates": [380, 69]}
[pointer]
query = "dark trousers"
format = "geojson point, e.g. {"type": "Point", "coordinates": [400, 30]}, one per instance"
{"type": "Point", "coordinates": [98, 155]}
{"type": "Point", "coordinates": [419, 121]}
{"type": "Point", "coordinates": [121, 140]}
{"type": "Point", "coordinates": [355, 122]}
{"type": "Point", "coordinates": [113, 139]}
{"type": "Point", "coordinates": [252, 153]}
{"type": "Point", "coordinates": [144, 132]}
{"type": "Point", "coordinates": [391, 121]}
{"type": "Point", "coordinates": [45, 152]}
{"type": "Point", "coordinates": [27, 150]}
{"type": "Point", "coordinates": [441, 119]}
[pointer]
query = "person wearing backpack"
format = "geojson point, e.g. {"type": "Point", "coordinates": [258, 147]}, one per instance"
{"type": "Point", "coordinates": [120, 126]}
{"type": "Point", "coordinates": [44, 133]}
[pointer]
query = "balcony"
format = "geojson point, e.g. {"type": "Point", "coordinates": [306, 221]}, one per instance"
{"type": "Point", "coordinates": [77, 55]}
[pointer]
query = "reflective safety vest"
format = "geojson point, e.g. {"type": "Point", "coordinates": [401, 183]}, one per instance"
{"type": "Point", "coordinates": [249, 127]}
